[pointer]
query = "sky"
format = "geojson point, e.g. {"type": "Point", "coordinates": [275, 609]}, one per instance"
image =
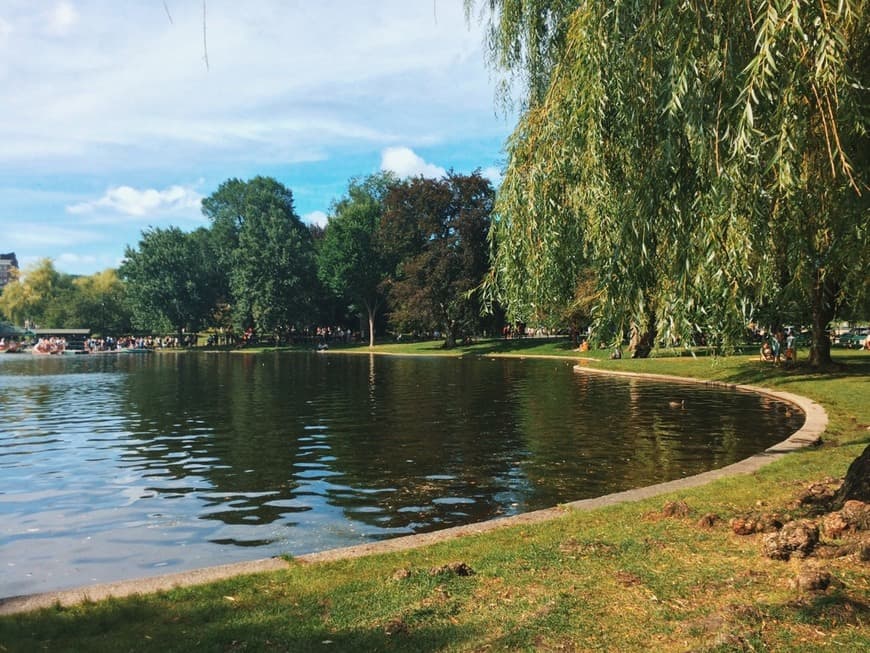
{"type": "Point", "coordinates": [120, 116]}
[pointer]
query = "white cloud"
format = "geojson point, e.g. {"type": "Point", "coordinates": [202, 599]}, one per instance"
{"type": "Point", "coordinates": [407, 163]}
{"type": "Point", "coordinates": [44, 236]}
{"type": "Point", "coordinates": [139, 203]}
{"type": "Point", "coordinates": [99, 93]}
{"type": "Point", "coordinates": [69, 260]}
{"type": "Point", "coordinates": [316, 217]}
{"type": "Point", "coordinates": [5, 30]}
{"type": "Point", "coordinates": [126, 87]}
{"type": "Point", "coordinates": [72, 258]}
{"type": "Point", "coordinates": [493, 174]}
{"type": "Point", "coordinates": [61, 18]}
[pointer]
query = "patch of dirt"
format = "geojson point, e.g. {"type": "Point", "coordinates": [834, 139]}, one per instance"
{"type": "Point", "coordinates": [839, 610]}
{"type": "Point", "coordinates": [396, 626]}
{"type": "Point", "coordinates": [454, 568]}
{"type": "Point", "coordinates": [796, 538]}
{"type": "Point", "coordinates": [627, 579]}
{"type": "Point", "coordinates": [654, 544]}
{"type": "Point", "coordinates": [676, 509]}
{"type": "Point", "coordinates": [857, 545]}
{"type": "Point", "coordinates": [730, 642]}
{"type": "Point", "coordinates": [818, 496]}
{"type": "Point", "coordinates": [708, 521]}
{"type": "Point", "coordinates": [401, 574]}
{"type": "Point", "coordinates": [572, 546]}
{"type": "Point", "coordinates": [812, 580]}
{"type": "Point", "coordinates": [757, 523]}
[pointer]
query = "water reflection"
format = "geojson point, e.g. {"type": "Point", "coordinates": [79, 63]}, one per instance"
{"type": "Point", "coordinates": [121, 466]}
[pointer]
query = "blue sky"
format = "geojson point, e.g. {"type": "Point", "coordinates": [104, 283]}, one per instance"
{"type": "Point", "coordinates": [112, 120]}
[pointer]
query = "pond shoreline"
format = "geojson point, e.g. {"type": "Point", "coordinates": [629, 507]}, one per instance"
{"type": "Point", "coordinates": [809, 434]}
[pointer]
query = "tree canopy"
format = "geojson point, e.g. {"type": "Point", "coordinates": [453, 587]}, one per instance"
{"type": "Point", "coordinates": [416, 248]}
{"type": "Point", "coordinates": [41, 296]}
{"type": "Point", "coordinates": [102, 303]}
{"type": "Point", "coordinates": [351, 258]}
{"type": "Point", "coordinates": [707, 159]}
{"type": "Point", "coordinates": [50, 299]}
{"type": "Point", "coordinates": [436, 233]}
{"type": "Point", "coordinates": [170, 280]}
{"type": "Point", "coordinates": [267, 252]}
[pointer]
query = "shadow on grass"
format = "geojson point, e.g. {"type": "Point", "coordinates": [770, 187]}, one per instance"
{"type": "Point", "coordinates": [216, 624]}
{"type": "Point", "coordinates": [520, 345]}
{"type": "Point", "coordinates": [844, 367]}
{"type": "Point", "coordinates": [829, 610]}
{"type": "Point", "coordinates": [484, 347]}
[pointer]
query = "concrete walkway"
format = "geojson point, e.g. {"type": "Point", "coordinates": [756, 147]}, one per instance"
{"type": "Point", "coordinates": [810, 433]}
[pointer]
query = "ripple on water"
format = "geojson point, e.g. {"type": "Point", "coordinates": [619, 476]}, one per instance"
{"type": "Point", "coordinates": [113, 467]}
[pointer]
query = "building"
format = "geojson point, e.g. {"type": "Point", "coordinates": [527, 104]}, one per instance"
{"type": "Point", "coordinates": [7, 262]}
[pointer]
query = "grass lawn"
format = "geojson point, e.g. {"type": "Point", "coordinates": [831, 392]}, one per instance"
{"type": "Point", "coordinates": [622, 578]}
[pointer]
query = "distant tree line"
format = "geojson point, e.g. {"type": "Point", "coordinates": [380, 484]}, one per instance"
{"type": "Point", "coordinates": [408, 255]}
{"type": "Point", "coordinates": [47, 298]}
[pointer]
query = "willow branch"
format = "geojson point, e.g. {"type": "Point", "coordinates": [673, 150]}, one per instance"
{"type": "Point", "coordinates": [824, 117]}
{"type": "Point", "coordinates": [847, 167]}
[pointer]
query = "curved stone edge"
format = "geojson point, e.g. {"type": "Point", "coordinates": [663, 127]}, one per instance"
{"type": "Point", "coordinates": [809, 434]}
{"type": "Point", "coordinates": [120, 589]}
{"type": "Point", "coordinates": [815, 423]}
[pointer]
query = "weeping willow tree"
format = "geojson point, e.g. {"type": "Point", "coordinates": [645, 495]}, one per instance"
{"type": "Point", "coordinates": [704, 158]}
{"type": "Point", "coordinates": [524, 38]}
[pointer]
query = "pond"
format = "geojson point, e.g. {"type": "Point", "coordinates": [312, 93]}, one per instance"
{"type": "Point", "coordinates": [121, 466]}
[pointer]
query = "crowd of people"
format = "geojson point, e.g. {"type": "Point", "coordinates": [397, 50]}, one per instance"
{"type": "Point", "coordinates": [779, 346]}
{"type": "Point", "coordinates": [109, 343]}
{"type": "Point", "coordinates": [49, 346]}
{"type": "Point", "coordinates": [319, 336]}
{"type": "Point", "coordinates": [10, 345]}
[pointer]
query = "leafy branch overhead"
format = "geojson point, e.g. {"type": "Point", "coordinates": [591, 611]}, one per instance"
{"type": "Point", "coordinates": [709, 160]}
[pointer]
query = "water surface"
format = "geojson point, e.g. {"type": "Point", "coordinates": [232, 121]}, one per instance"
{"type": "Point", "coordinates": [122, 466]}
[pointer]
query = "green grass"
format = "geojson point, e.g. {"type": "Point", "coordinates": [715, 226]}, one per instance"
{"type": "Point", "coordinates": [526, 346]}
{"type": "Point", "coordinates": [623, 578]}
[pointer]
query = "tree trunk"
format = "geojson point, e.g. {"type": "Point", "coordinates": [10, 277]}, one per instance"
{"type": "Point", "coordinates": [641, 344]}
{"type": "Point", "coordinates": [372, 308]}
{"type": "Point", "coordinates": [824, 296]}
{"type": "Point", "coordinates": [450, 335]}
{"type": "Point", "coordinates": [857, 483]}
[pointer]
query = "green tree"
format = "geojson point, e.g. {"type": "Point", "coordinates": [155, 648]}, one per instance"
{"type": "Point", "coordinates": [100, 303]}
{"type": "Point", "coordinates": [172, 280]}
{"type": "Point", "coordinates": [351, 260]}
{"type": "Point", "coordinates": [13, 299]}
{"type": "Point", "coordinates": [435, 233]}
{"type": "Point", "coordinates": [706, 158]}
{"type": "Point", "coordinates": [41, 296]}
{"type": "Point", "coordinates": [267, 251]}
